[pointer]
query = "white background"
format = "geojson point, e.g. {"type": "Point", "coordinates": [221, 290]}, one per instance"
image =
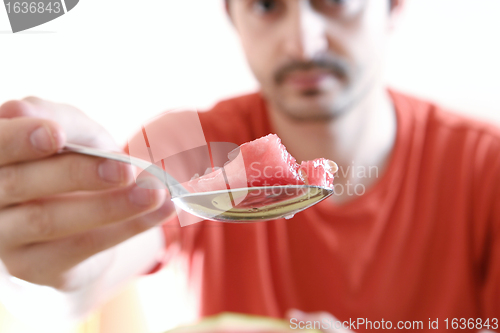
{"type": "Point", "coordinates": [124, 61]}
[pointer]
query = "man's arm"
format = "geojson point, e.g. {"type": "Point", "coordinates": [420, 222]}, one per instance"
{"type": "Point", "coordinates": [125, 261]}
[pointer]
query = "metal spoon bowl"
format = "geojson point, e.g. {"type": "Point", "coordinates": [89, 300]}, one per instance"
{"type": "Point", "coordinates": [252, 204]}
{"type": "Point", "coordinates": [249, 204]}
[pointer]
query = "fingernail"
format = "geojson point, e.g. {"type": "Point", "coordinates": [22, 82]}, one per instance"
{"type": "Point", "coordinates": [111, 171]}
{"type": "Point", "coordinates": [143, 196]}
{"type": "Point", "coordinates": [43, 140]}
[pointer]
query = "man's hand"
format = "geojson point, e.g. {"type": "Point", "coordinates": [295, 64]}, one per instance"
{"type": "Point", "coordinates": [328, 323]}
{"type": "Point", "coordinates": [58, 210]}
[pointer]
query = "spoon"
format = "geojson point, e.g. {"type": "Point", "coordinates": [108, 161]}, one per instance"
{"type": "Point", "coordinates": [248, 204]}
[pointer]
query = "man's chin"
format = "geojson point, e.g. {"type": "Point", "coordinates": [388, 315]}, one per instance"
{"type": "Point", "coordinates": [310, 105]}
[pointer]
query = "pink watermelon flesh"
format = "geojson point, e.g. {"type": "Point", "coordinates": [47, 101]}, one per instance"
{"type": "Point", "coordinates": [318, 172]}
{"type": "Point", "coordinates": [266, 162]}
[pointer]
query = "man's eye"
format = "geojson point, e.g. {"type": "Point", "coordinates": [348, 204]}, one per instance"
{"type": "Point", "coordinates": [265, 6]}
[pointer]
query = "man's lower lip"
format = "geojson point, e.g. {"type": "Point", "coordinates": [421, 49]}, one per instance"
{"type": "Point", "coordinates": [311, 82]}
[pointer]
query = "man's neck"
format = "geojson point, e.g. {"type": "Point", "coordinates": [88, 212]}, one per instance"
{"type": "Point", "coordinates": [359, 141]}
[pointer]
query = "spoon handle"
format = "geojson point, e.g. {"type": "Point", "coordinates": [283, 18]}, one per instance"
{"type": "Point", "coordinates": [167, 179]}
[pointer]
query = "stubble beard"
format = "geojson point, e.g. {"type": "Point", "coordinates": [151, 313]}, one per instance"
{"type": "Point", "coordinates": [316, 106]}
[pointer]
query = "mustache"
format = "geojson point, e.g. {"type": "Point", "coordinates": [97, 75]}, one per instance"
{"type": "Point", "coordinates": [334, 65]}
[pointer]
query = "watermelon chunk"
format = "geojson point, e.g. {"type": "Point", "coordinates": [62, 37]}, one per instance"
{"type": "Point", "coordinates": [318, 172]}
{"type": "Point", "coordinates": [265, 162]}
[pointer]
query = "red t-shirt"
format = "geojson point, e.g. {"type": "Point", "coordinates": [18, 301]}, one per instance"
{"type": "Point", "coordinates": [423, 242]}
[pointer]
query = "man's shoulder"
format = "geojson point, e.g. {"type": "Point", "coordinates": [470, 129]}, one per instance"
{"type": "Point", "coordinates": [436, 117]}
{"type": "Point", "coordinates": [450, 141]}
{"type": "Point", "coordinates": [237, 105]}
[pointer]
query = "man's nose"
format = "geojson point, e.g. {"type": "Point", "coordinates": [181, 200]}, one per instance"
{"type": "Point", "coordinates": [306, 32]}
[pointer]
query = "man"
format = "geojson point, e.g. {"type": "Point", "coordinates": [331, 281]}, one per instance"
{"type": "Point", "coordinates": [418, 240]}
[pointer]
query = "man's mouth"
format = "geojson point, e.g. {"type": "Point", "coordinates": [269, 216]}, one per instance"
{"type": "Point", "coordinates": [307, 80]}
{"type": "Point", "coordinates": [313, 77]}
